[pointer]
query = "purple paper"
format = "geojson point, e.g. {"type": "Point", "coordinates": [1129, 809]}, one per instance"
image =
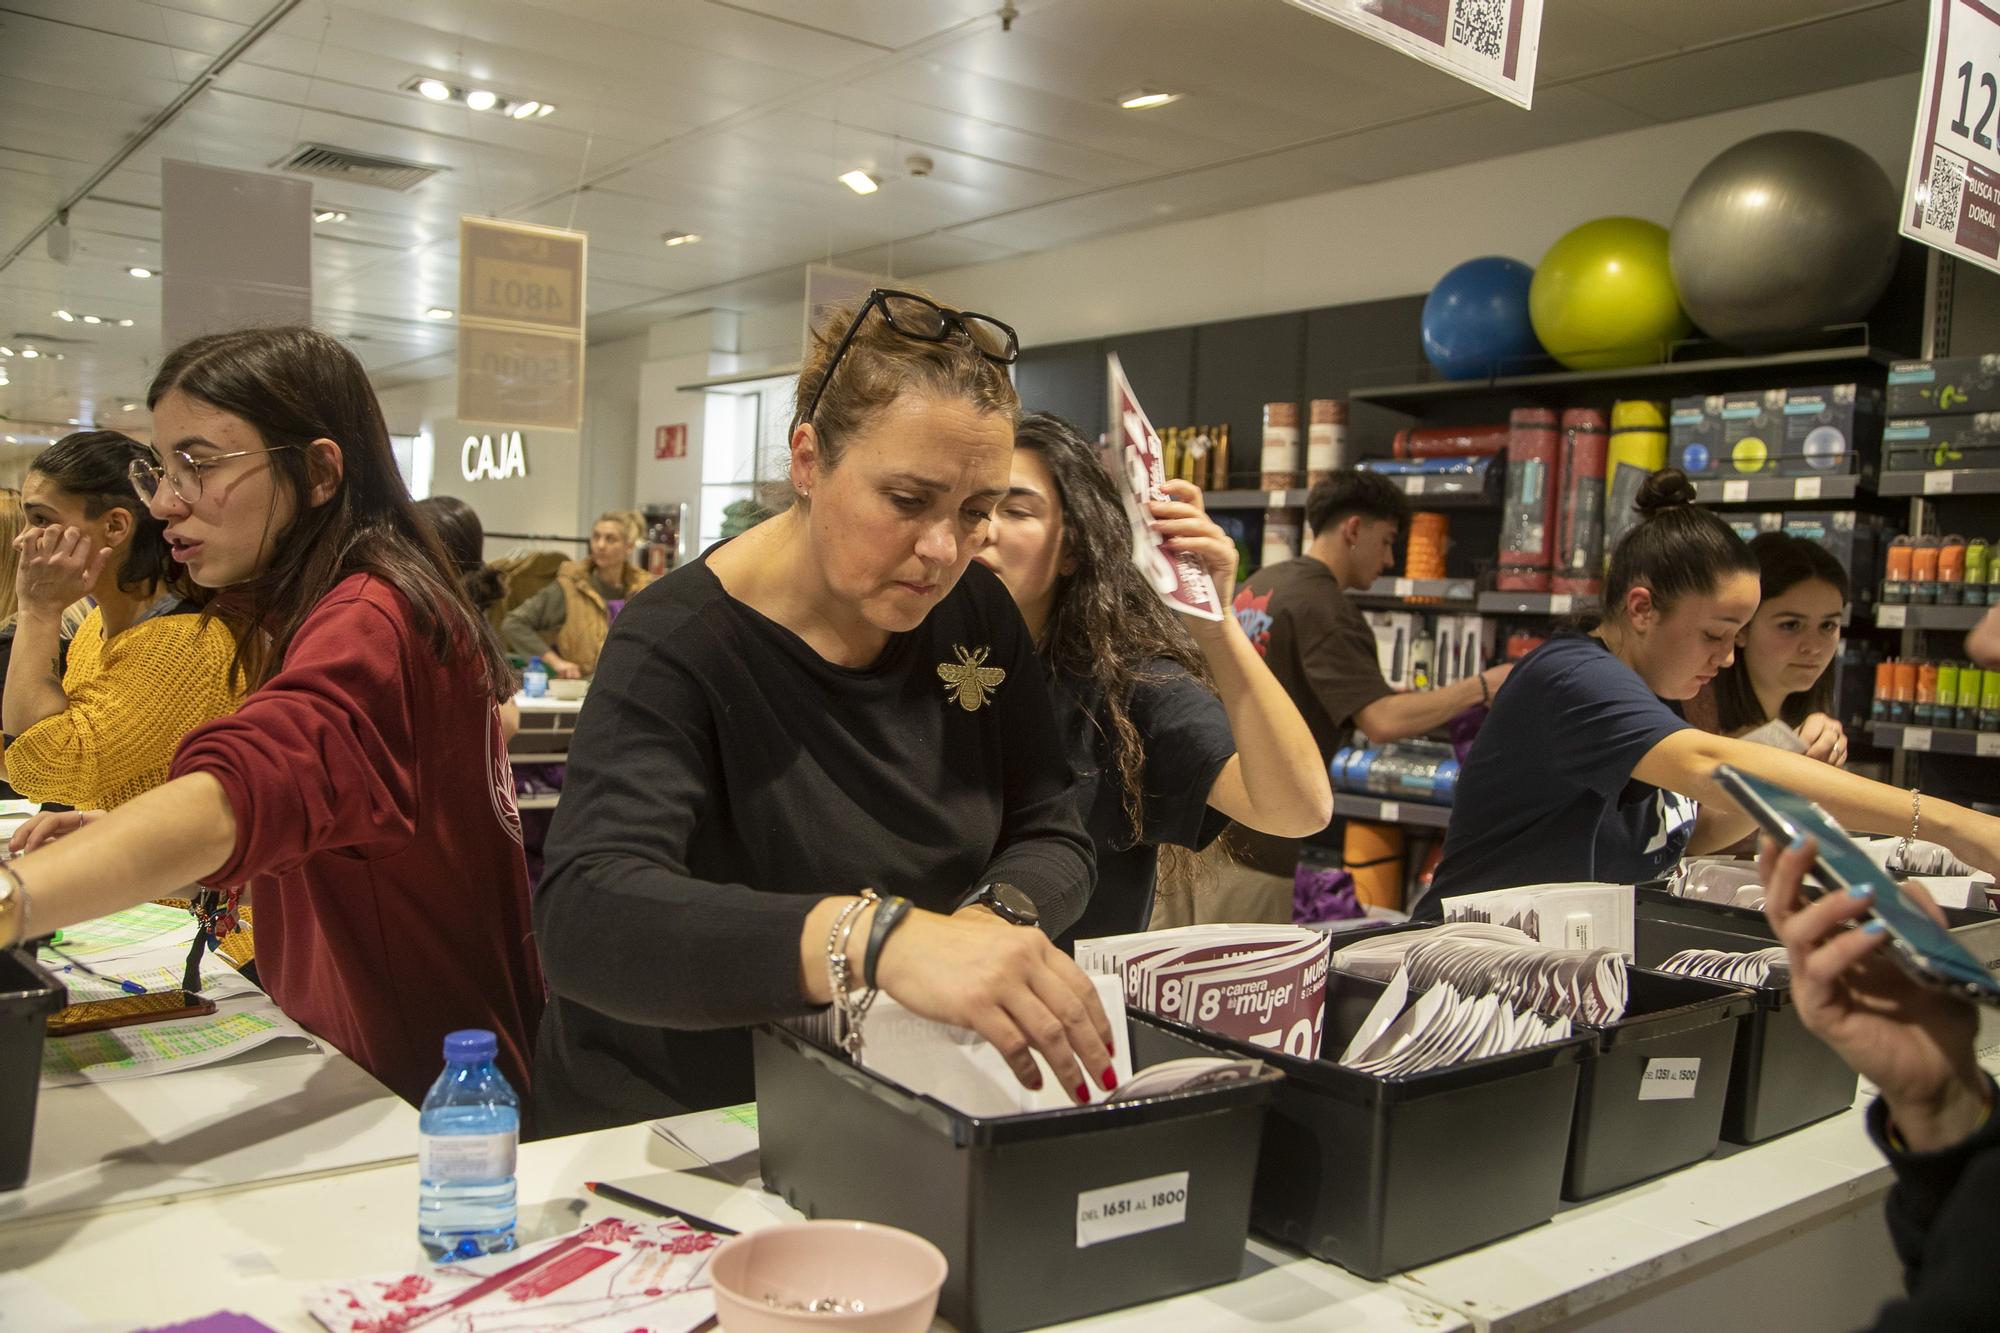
{"type": "Point", "coordinates": [222, 1321]}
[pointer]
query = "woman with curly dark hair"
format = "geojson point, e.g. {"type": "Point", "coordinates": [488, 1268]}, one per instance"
{"type": "Point", "coordinates": [1174, 724]}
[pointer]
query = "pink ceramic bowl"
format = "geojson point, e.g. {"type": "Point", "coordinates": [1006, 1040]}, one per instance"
{"type": "Point", "coordinates": [893, 1275]}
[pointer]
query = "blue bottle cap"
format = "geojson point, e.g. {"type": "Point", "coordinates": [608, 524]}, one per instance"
{"type": "Point", "coordinates": [469, 1044]}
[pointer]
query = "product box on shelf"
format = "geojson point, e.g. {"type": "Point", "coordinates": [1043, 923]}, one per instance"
{"type": "Point", "coordinates": [1395, 640]}
{"type": "Point", "coordinates": [1945, 384]}
{"type": "Point", "coordinates": [1753, 432]}
{"type": "Point", "coordinates": [1920, 444]}
{"type": "Point", "coordinates": [1382, 1175]}
{"type": "Point", "coordinates": [1694, 435]}
{"type": "Point", "coordinates": [1828, 428]}
{"type": "Point", "coordinates": [1856, 540]}
{"type": "Point", "coordinates": [1043, 1217]}
{"type": "Point", "coordinates": [1748, 526]}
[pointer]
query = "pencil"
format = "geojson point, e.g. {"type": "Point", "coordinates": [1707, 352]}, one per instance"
{"type": "Point", "coordinates": [656, 1208]}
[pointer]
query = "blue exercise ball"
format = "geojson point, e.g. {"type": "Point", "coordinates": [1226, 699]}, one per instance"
{"type": "Point", "coordinates": [1476, 323]}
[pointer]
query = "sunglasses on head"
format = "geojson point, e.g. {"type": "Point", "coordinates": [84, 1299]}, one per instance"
{"type": "Point", "coordinates": [925, 320]}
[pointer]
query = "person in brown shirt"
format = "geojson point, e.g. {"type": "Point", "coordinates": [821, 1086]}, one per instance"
{"type": "Point", "coordinates": [1320, 647]}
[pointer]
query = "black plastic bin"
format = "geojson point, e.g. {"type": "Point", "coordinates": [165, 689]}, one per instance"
{"type": "Point", "coordinates": [1001, 1196]}
{"type": "Point", "coordinates": [1619, 1139]}
{"type": "Point", "coordinates": [1782, 1077]}
{"type": "Point", "coordinates": [1380, 1175]}
{"type": "Point", "coordinates": [28, 995]}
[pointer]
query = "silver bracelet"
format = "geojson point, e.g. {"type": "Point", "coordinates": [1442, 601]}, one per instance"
{"type": "Point", "coordinates": [847, 1019]}
{"type": "Point", "coordinates": [1907, 844]}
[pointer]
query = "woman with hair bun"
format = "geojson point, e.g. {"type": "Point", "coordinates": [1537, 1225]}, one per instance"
{"type": "Point", "coordinates": [1587, 769]}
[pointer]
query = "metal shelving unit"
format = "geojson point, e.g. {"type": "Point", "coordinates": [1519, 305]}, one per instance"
{"type": "Point", "coordinates": [1935, 740]}
{"type": "Point", "coordinates": [1942, 481]}
{"type": "Point", "coordinates": [1768, 490]}
{"type": "Point", "coordinates": [1903, 615]}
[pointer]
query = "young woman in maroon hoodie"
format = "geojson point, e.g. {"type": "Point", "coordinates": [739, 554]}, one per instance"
{"type": "Point", "coordinates": [361, 792]}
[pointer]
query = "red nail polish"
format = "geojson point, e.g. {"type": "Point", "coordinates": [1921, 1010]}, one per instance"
{"type": "Point", "coordinates": [1110, 1080]}
{"type": "Point", "coordinates": [1082, 1093]}
{"type": "Point", "coordinates": [1111, 1050]}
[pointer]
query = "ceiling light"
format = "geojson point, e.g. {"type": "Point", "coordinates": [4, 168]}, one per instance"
{"type": "Point", "coordinates": [64, 316]}
{"type": "Point", "coordinates": [479, 99]}
{"type": "Point", "coordinates": [545, 109]}
{"type": "Point", "coordinates": [138, 272]}
{"type": "Point", "coordinates": [1145, 99]}
{"type": "Point", "coordinates": [438, 312]}
{"type": "Point", "coordinates": [860, 182]}
{"type": "Point", "coordinates": [681, 237]}
{"type": "Point", "coordinates": [128, 407]}
{"type": "Point", "coordinates": [12, 440]}
{"type": "Point", "coordinates": [29, 354]}
{"type": "Point", "coordinates": [329, 215]}
{"type": "Point", "coordinates": [59, 356]}
{"type": "Point", "coordinates": [435, 89]}
{"type": "Point", "coordinates": [76, 421]}
{"type": "Point", "coordinates": [93, 319]}
{"type": "Point", "coordinates": [522, 110]}
{"type": "Point", "coordinates": [6, 351]}
{"type": "Point", "coordinates": [124, 323]}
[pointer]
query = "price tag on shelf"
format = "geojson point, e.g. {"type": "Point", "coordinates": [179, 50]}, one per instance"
{"type": "Point", "coordinates": [1560, 604]}
{"type": "Point", "coordinates": [1404, 587]}
{"type": "Point", "coordinates": [1735, 492]}
{"type": "Point", "coordinates": [1892, 617]}
{"type": "Point", "coordinates": [1916, 738]}
{"type": "Point", "coordinates": [1937, 483]}
{"type": "Point", "coordinates": [1413, 485]}
{"type": "Point", "coordinates": [1987, 746]}
{"type": "Point", "coordinates": [1391, 811]}
{"type": "Point", "coordinates": [1806, 488]}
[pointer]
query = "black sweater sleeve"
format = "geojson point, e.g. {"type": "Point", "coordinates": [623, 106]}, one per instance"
{"type": "Point", "coordinates": [1943, 1212]}
{"type": "Point", "coordinates": [623, 925]}
{"type": "Point", "coordinates": [1043, 849]}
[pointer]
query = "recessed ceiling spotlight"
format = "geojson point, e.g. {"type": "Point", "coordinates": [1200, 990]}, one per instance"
{"type": "Point", "coordinates": [124, 323]}
{"type": "Point", "coordinates": [522, 110]}
{"type": "Point", "coordinates": [63, 315]}
{"type": "Point", "coordinates": [29, 354]}
{"type": "Point", "coordinates": [545, 109]}
{"type": "Point", "coordinates": [439, 312]}
{"type": "Point", "coordinates": [481, 99]}
{"type": "Point", "coordinates": [12, 440]}
{"type": "Point", "coordinates": [860, 181]}
{"type": "Point", "coordinates": [6, 351]}
{"type": "Point", "coordinates": [1145, 99]}
{"type": "Point", "coordinates": [329, 215]}
{"type": "Point", "coordinates": [59, 356]}
{"type": "Point", "coordinates": [680, 238]}
{"type": "Point", "coordinates": [93, 319]}
{"type": "Point", "coordinates": [76, 421]}
{"type": "Point", "coordinates": [139, 272]}
{"type": "Point", "coordinates": [128, 407]}
{"type": "Point", "coordinates": [437, 90]}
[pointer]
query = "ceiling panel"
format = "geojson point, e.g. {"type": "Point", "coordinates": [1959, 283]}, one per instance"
{"type": "Point", "coordinates": [731, 117]}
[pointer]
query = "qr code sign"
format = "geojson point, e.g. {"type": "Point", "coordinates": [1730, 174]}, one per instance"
{"type": "Point", "coordinates": [1479, 26]}
{"type": "Point", "coordinates": [1946, 185]}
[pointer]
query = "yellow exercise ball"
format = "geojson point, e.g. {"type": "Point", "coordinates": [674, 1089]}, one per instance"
{"type": "Point", "coordinates": [1603, 296]}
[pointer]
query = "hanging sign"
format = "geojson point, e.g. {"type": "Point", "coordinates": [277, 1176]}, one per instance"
{"type": "Point", "coordinates": [1951, 197]}
{"type": "Point", "coordinates": [521, 291]}
{"type": "Point", "coordinates": [1490, 44]}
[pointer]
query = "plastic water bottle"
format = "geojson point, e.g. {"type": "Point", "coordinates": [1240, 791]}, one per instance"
{"type": "Point", "coordinates": [469, 1128]}
{"type": "Point", "coordinates": [535, 679]}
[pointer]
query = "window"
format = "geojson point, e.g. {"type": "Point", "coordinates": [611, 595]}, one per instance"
{"type": "Point", "coordinates": [743, 449]}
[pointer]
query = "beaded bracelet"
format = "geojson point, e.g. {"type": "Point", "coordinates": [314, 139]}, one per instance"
{"type": "Point", "coordinates": [1907, 844]}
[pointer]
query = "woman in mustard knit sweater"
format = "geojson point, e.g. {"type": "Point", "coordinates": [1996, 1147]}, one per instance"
{"type": "Point", "coordinates": [145, 668]}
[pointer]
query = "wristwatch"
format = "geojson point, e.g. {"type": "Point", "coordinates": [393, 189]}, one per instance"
{"type": "Point", "coordinates": [1008, 903]}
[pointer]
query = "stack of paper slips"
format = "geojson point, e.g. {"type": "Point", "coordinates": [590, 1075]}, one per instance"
{"type": "Point", "coordinates": [1763, 967]}
{"type": "Point", "coordinates": [1256, 983]}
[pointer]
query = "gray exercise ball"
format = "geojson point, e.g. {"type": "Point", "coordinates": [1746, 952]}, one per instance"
{"type": "Point", "coordinates": [1781, 235]}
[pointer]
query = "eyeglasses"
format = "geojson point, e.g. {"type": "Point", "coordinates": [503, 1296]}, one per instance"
{"type": "Point", "coordinates": [183, 473]}
{"type": "Point", "coordinates": [925, 320]}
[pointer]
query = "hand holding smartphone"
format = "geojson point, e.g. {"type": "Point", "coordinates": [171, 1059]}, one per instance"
{"type": "Point", "coordinates": [1925, 949]}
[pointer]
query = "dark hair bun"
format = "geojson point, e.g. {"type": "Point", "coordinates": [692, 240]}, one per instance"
{"type": "Point", "coordinates": [1668, 488]}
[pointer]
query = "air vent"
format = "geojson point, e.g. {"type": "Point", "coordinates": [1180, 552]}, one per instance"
{"type": "Point", "coordinates": [342, 164]}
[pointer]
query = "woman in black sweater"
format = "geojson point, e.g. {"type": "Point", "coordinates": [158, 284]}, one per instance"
{"type": "Point", "coordinates": [829, 702]}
